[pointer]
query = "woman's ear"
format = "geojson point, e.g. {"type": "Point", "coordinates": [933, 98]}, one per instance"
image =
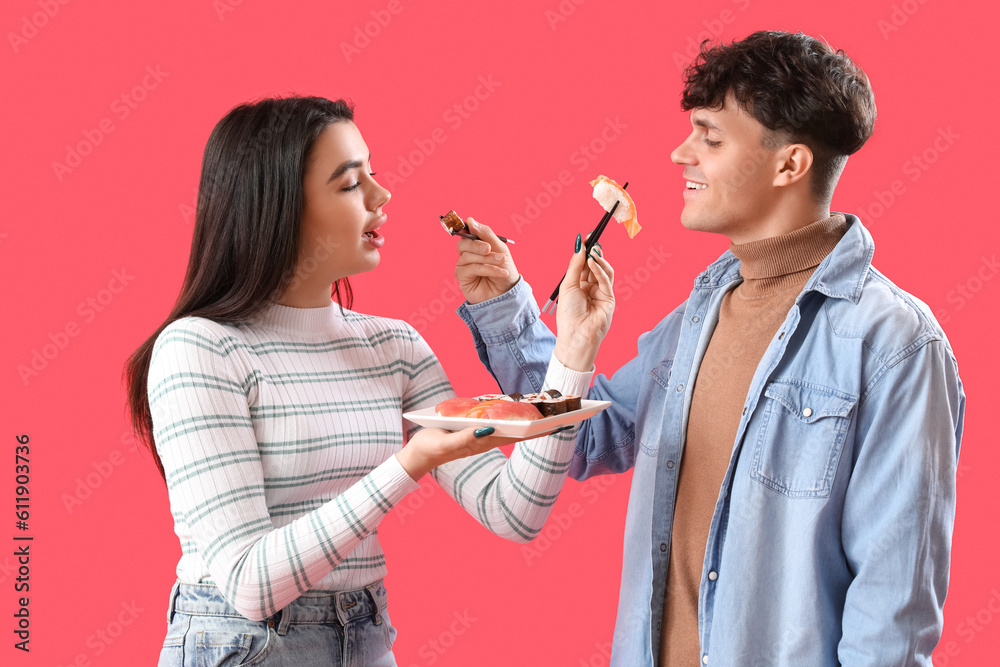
{"type": "Point", "coordinates": [794, 162]}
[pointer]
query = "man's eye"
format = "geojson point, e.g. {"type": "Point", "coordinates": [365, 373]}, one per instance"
{"type": "Point", "coordinates": [711, 143]}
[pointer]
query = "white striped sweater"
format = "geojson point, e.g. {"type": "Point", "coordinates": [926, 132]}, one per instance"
{"type": "Point", "coordinates": [278, 439]}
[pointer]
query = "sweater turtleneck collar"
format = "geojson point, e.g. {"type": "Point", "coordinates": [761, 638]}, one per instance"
{"type": "Point", "coordinates": [778, 263]}
{"type": "Point", "coordinates": [300, 320]}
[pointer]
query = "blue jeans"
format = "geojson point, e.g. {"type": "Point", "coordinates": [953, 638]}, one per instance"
{"type": "Point", "coordinates": [343, 629]}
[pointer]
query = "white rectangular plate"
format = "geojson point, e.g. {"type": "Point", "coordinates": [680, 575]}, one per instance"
{"type": "Point", "coordinates": [509, 429]}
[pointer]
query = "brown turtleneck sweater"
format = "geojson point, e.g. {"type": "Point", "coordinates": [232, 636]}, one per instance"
{"type": "Point", "coordinates": [774, 271]}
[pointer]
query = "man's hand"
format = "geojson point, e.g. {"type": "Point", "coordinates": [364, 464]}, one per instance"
{"type": "Point", "coordinates": [586, 304]}
{"type": "Point", "coordinates": [485, 268]}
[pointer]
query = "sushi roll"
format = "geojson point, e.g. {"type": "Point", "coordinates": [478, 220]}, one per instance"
{"type": "Point", "coordinates": [452, 223]}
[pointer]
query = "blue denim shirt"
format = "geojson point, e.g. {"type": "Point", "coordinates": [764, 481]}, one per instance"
{"type": "Point", "coordinates": [831, 537]}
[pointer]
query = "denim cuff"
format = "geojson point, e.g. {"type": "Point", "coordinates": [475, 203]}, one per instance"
{"type": "Point", "coordinates": [503, 318]}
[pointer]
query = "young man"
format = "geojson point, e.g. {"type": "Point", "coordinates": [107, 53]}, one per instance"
{"type": "Point", "coordinates": [794, 426]}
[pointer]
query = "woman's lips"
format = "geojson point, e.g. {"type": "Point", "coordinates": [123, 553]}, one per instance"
{"type": "Point", "coordinates": [373, 238]}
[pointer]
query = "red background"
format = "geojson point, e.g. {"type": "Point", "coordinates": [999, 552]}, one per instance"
{"type": "Point", "coordinates": [104, 551]}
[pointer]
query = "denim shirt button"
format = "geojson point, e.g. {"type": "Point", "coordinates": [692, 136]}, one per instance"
{"type": "Point", "coordinates": [705, 279]}
{"type": "Point", "coordinates": [696, 319]}
{"type": "Point", "coordinates": [744, 411]}
{"type": "Point", "coordinates": [807, 412]}
{"type": "Point", "coordinates": [680, 388]}
{"type": "Point", "coordinates": [670, 464]}
{"type": "Point", "coordinates": [781, 335]}
{"type": "Point", "coordinates": [713, 575]}
{"type": "Point", "coordinates": [704, 658]}
{"type": "Point", "coordinates": [663, 546]}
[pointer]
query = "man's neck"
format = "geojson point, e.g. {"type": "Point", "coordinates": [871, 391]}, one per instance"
{"type": "Point", "coordinates": [780, 223]}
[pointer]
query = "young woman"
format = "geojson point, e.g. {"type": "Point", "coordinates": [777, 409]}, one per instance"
{"type": "Point", "coordinates": [275, 414]}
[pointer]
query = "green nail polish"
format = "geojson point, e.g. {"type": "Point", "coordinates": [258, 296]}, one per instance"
{"type": "Point", "coordinates": [597, 249]}
{"type": "Point", "coordinates": [591, 255]}
{"type": "Point", "coordinates": [483, 432]}
{"type": "Point", "coordinates": [576, 248]}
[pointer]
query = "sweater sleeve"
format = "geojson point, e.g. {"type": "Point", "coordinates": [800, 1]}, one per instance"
{"type": "Point", "coordinates": [205, 438]}
{"type": "Point", "coordinates": [510, 497]}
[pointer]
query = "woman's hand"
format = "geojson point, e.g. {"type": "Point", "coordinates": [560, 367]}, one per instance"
{"type": "Point", "coordinates": [485, 268]}
{"type": "Point", "coordinates": [586, 304]}
{"type": "Point", "coordinates": [431, 447]}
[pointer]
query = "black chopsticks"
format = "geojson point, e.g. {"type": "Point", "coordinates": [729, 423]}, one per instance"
{"type": "Point", "coordinates": [466, 235]}
{"type": "Point", "coordinates": [591, 240]}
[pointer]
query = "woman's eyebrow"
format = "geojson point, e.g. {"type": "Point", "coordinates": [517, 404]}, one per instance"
{"type": "Point", "coordinates": [350, 164]}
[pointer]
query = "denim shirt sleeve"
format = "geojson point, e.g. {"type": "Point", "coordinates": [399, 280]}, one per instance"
{"type": "Point", "coordinates": [516, 346]}
{"type": "Point", "coordinates": [899, 510]}
{"type": "Point", "coordinates": [511, 339]}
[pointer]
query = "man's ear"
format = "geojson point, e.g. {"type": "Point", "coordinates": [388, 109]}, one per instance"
{"type": "Point", "coordinates": [794, 162]}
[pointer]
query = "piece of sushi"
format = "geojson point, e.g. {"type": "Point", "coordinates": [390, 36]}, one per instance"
{"type": "Point", "coordinates": [455, 407]}
{"type": "Point", "coordinates": [506, 410]}
{"type": "Point", "coordinates": [453, 224]}
{"type": "Point", "coordinates": [607, 192]}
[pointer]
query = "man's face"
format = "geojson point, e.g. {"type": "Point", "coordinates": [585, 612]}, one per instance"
{"type": "Point", "coordinates": [729, 175]}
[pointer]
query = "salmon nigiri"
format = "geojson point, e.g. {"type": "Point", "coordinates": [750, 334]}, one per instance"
{"type": "Point", "coordinates": [607, 192]}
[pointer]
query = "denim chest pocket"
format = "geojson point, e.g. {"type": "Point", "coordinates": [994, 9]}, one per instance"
{"type": "Point", "coordinates": [801, 437]}
{"type": "Point", "coordinates": [654, 411]}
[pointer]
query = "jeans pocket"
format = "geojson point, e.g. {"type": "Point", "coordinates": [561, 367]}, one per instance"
{"type": "Point", "coordinates": [172, 653]}
{"type": "Point", "coordinates": [222, 648]}
{"type": "Point", "coordinates": [388, 632]}
{"type": "Point", "coordinates": [799, 442]}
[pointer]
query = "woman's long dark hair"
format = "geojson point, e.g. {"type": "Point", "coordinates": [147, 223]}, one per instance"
{"type": "Point", "coordinates": [246, 233]}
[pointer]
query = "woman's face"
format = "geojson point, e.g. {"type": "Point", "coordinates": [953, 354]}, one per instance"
{"type": "Point", "coordinates": [343, 209]}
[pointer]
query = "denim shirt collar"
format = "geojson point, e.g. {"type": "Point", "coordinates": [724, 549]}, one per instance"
{"type": "Point", "coordinates": [840, 275]}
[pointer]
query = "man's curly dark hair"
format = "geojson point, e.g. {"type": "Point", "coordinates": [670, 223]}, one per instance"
{"type": "Point", "coordinates": [798, 88]}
